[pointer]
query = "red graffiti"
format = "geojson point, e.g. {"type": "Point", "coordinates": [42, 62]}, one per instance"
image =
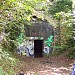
{"type": "Point", "coordinates": [34, 33]}
{"type": "Point", "coordinates": [38, 34]}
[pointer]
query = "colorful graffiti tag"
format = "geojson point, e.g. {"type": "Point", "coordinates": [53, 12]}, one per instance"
{"type": "Point", "coordinates": [27, 47]}
{"type": "Point", "coordinates": [49, 41]}
{"type": "Point", "coordinates": [38, 33]}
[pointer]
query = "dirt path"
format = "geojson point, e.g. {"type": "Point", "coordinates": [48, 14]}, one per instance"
{"type": "Point", "coordinates": [56, 65]}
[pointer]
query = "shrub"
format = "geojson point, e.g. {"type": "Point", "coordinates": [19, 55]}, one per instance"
{"type": "Point", "coordinates": [70, 46]}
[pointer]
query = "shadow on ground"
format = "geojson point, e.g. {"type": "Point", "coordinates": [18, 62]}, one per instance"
{"type": "Point", "coordinates": [54, 65]}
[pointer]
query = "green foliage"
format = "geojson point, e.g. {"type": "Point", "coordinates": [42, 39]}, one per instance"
{"type": "Point", "coordinates": [23, 9]}
{"type": "Point", "coordinates": [7, 62]}
{"type": "Point", "coordinates": [70, 47]}
{"type": "Point", "coordinates": [71, 54]}
{"type": "Point", "coordinates": [12, 32]}
{"type": "Point", "coordinates": [13, 28]}
{"type": "Point", "coordinates": [70, 44]}
{"type": "Point", "coordinates": [2, 72]}
{"type": "Point", "coordinates": [20, 38]}
{"type": "Point", "coordinates": [41, 6]}
{"type": "Point", "coordinates": [58, 51]}
{"type": "Point", "coordinates": [14, 15]}
{"type": "Point", "coordinates": [61, 5]}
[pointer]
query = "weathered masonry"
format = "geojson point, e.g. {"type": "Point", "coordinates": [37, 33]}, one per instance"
{"type": "Point", "coordinates": [38, 32]}
{"type": "Point", "coordinates": [39, 28]}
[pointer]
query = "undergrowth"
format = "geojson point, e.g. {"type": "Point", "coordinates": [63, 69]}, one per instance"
{"type": "Point", "coordinates": [68, 48]}
{"type": "Point", "coordinates": [7, 63]}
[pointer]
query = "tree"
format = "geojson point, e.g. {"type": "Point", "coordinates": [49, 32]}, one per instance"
{"type": "Point", "coordinates": [14, 15]}
{"type": "Point", "coordinates": [73, 11]}
{"type": "Point", "coordinates": [60, 9]}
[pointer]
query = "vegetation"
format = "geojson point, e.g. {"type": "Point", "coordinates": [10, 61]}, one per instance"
{"type": "Point", "coordinates": [62, 12]}
{"type": "Point", "coordinates": [15, 14]}
{"type": "Point", "coordinates": [70, 46]}
{"type": "Point", "coordinates": [7, 62]}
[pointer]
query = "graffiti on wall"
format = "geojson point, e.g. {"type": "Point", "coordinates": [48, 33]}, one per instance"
{"type": "Point", "coordinates": [27, 47]}
{"type": "Point", "coordinates": [38, 33]}
{"type": "Point", "coordinates": [49, 41]}
{"type": "Point", "coordinates": [40, 28]}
